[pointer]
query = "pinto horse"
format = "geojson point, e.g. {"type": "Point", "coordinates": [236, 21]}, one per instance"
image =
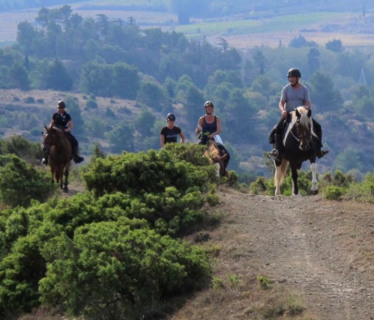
{"type": "Point", "coordinates": [217, 154]}
{"type": "Point", "coordinates": [60, 154]}
{"type": "Point", "coordinates": [300, 144]}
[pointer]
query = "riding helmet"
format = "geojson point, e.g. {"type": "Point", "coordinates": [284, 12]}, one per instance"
{"type": "Point", "coordinates": [170, 117]}
{"type": "Point", "coordinates": [61, 104]}
{"type": "Point", "coordinates": [294, 72]}
{"type": "Point", "coordinates": [208, 104]}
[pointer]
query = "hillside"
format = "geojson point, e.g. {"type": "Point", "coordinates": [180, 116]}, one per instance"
{"type": "Point", "coordinates": [317, 254]}
{"type": "Point", "coordinates": [301, 258]}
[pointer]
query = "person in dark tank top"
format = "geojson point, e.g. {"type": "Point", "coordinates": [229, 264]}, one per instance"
{"type": "Point", "coordinates": [208, 124]}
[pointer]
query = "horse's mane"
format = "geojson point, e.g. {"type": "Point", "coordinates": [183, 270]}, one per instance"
{"type": "Point", "coordinates": [305, 120]}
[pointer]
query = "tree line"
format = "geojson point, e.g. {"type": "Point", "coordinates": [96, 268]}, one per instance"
{"type": "Point", "coordinates": [166, 72]}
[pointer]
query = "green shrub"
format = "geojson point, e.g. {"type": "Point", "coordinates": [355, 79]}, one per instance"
{"type": "Point", "coordinates": [108, 269]}
{"type": "Point", "coordinates": [259, 186]}
{"type": "Point", "coordinates": [20, 272]}
{"type": "Point", "coordinates": [334, 192]}
{"type": "Point", "coordinates": [20, 182]}
{"type": "Point", "coordinates": [146, 172]}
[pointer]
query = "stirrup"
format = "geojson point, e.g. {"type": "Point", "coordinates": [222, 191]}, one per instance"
{"type": "Point", "coordinates": [274, 153]}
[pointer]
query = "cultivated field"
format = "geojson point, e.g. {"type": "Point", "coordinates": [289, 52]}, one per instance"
{"type": "Point", "coordinates": [241, 31]}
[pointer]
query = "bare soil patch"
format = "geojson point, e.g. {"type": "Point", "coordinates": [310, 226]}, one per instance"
{"type": "Point", "coordinates": [316, 254]}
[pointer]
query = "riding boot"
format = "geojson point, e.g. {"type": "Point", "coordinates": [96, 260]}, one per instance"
{"type": "Point", "coordinates": [276, 153]}
{"type": "Point", "coordinates": [74, 151]}
{"type": "Point", "coordinates": [77, 158]}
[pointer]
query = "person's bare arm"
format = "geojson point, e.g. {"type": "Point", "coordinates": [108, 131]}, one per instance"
{"type": "Point", "coordinates": [199, 126]}
{"type": "Point", "coordinates": [282, 108]}
{"type": "Point", "coordinates": [308, 105]}
{"type": "Point", "coordinates": [70, 126]}
{"type": "Point", "coordinates": [182, 136]}
{"type": "Point", "coordinates": [162, 140]}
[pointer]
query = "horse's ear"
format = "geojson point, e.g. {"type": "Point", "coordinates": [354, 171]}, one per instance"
{"type": "Point", "coordinates": [297, 113]}
{"type": "Point", "coordinates": [309, 112]}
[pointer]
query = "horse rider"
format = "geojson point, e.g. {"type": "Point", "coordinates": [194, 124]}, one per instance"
{"type": "Point", "coordinates": [62, 120]}
{"type": "Point", "coordinates": [293, 95]}
{"type": "Point", "coordinates": [209, 125]}
{"type": "Point", "coordinates": [170, 132]}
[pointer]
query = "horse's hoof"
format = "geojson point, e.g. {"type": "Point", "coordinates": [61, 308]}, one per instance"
{"type": "Point", "coordinates": [66, 190]}
{"type": "Point", "coordinates": [313, 192]}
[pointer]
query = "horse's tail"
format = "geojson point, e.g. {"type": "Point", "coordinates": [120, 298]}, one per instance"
{"type": "Point", "coordinates": [280, 173]}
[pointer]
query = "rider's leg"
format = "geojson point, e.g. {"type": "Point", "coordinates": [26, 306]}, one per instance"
{"type": "Point", "coordinates": [272, 135]}
{"type": "Point", "coordinates": [318, 131]}
{"type": "Point", "coordinates": [74, 149]}
{"type": "Point", "coordinates": [278, 145]}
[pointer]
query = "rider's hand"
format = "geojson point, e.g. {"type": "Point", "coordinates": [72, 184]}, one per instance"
{"type": "Point", "coordinates": [284, 114]}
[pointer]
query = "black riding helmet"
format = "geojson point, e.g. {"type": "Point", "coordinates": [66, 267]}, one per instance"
{"type": "Point", "coordinates": [170, 116]}
{"type": "Point", "coordinates": [294, 72]}
{"type": "Point", "coordinates": [208, 104]}
{"type": "Point", "coordinates": [61, 104]}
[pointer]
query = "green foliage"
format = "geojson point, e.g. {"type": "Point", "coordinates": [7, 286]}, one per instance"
{"type": "Point", "coordinates": [333, 192]}
{"type": "Point", "coordinates": [119, 79]}
{"type": "Point", "coordinates": [23, 148]}
{"type": "Point", "coordinates": [121, 137]}
{"type": "Point", "coordinates": [152, 94]}
{"type": "Point", "coordinates": [264, 282]}
{"type": "Point", "coordinates": [146, 172]}
{"type": "Point", "coordinates": [260, 186]}
{"type": "Point", "coordinates": [363, 191]}
{"type": "Point", "coordinates": [20, 272]}
{"type": "Point", "coordinates": [84, 253]}
{"type": "Point", "coordinates": [129, 269]}
{"type": "Point", "coordinates": [20, 182]}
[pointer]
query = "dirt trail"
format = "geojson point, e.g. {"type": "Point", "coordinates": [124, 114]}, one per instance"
{"type": "Point", "coordinates": [322, 250]}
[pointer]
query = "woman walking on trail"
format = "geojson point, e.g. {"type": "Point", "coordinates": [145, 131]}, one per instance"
{"type": "Point", "coordinates": [170, 133]}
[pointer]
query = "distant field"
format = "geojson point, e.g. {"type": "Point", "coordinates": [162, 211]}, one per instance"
{"type": "Point", "coordinates": [239, 32]}
{"type": "Point", "coordinates": [273, 24]}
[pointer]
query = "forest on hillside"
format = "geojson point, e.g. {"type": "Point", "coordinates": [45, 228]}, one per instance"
{"type": "Point", "coordinates": [165, 72]}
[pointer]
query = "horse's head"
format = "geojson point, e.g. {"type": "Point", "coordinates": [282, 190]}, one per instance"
{"type": "Point", "coordinates": [51, 136]}
{"type": "Point", "coordinates": [212, 151]}
{"type": "Point", "coordinates": [303, 127]}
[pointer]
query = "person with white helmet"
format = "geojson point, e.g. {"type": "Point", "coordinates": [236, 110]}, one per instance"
{"type": "Point", "coordinates": [209, 124]}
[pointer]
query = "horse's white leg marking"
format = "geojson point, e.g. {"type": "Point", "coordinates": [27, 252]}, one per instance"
{"type": "Point", "coordinates": [280, 173]}
{"type": "Point", "coordinates": [313, 167]}
{"type": "Point", "coordinates": [217, 168]}
{"type": "Point", "coordinates": [277, 179]}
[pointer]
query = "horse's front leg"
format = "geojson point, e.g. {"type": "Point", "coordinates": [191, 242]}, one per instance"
{"type": "Point", "coordinates": [66, 180]}
{"type": "Point", "coordinates": [295, 175]}
{"type": "Point", "coordinates": [278, 179]}
{"type": "Point", "coordinates": [313, 168]}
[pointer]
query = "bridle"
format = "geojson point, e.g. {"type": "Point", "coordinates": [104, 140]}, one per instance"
{"type": "Point", "coordinates": [303, 135]}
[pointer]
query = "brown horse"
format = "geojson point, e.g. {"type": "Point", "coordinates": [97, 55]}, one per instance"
{"type": "Point", "coordinates": [60, 154]}
{"type": "Point", "coordinates": [217, 154]}
{"type": "Point", "coordinates": [300, 144]}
